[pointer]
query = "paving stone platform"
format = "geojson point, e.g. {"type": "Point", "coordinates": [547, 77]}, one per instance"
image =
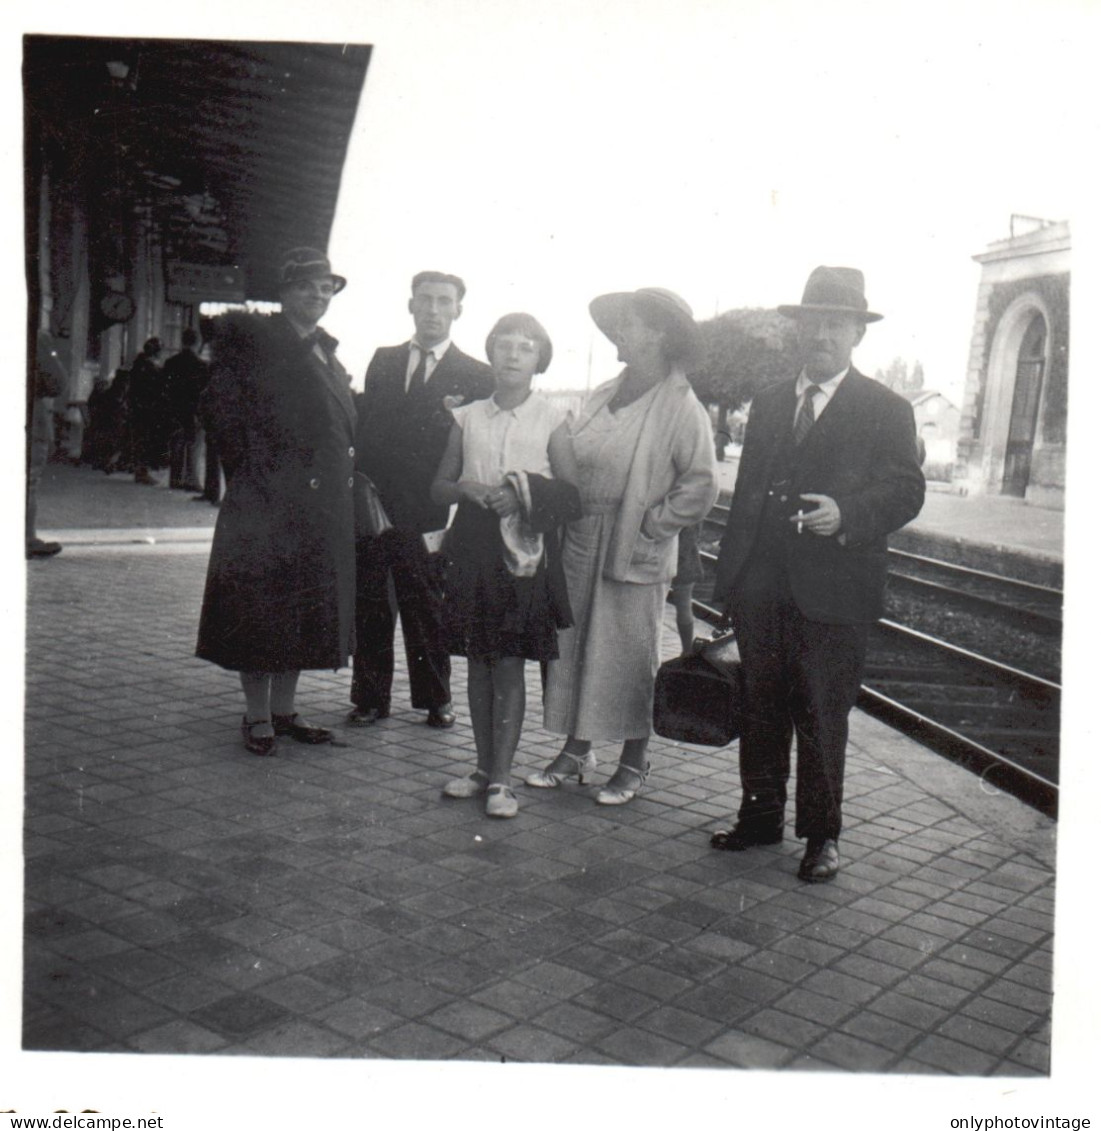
{"type": "Point", "coordinates": [183, 896]}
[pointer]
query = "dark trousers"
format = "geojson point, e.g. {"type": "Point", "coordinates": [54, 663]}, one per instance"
{"type": "Point", "coordinates": [181, 460]}
{"type": "Point", "coordinates": [399, 555]}
{"type": "Point", "coordinates": [802, 677]}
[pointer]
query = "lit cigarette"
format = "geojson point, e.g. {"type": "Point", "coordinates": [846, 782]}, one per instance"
{"type": "Point", "coordinates": [799, 523]}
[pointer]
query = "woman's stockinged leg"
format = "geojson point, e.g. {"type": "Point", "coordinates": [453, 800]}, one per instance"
{"type": "Point", "coordinates": [578, 746]}
{"type": "Point", "coordinates": [634, 753]}
{"type": "Point", "coordinates": [479, 685]}
{"type": "Point", "coordinates": [632, 758]}
{"type": "Point", "coordinates": [479, 691]}
{"type": "Point", "coordinates": [507, 674]}
{"type": "Point", "coordinates": [284, 686]}
{"type": "Point", "coordinates": [257, 689]}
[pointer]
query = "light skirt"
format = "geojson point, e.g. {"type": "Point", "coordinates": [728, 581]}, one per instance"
{"type": "Point", "coordinates": [602, 685]}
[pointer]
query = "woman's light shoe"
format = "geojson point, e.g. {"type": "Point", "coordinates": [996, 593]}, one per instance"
{"type": "Point", "coordinates": [552, 779]}
{"type": "Point", "coordinates": [470, 786]}
{"type": "Point", "coordinates": [501, 801]}
{"type": "Point", "coordinates": [620, 795]}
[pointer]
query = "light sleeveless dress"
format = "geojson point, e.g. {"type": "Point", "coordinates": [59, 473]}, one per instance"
{"type": "Point", "coordinates": [602, 685]}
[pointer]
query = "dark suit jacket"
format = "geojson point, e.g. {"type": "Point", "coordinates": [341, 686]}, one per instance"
{"type": "Point", "coordinates": [401, 438]}
{"type": "Point", "coordinates": [185, 377]}
{"type": "Point", "coordinates": [862, 452]}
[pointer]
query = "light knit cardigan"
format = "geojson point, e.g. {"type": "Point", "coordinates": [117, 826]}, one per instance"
{"type": "Point", "coordinates": [671, 482]}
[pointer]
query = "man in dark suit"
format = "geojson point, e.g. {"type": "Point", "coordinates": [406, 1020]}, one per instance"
{"type": "Point", "coordinates": [828, 469]}
{"type": "Point", "coordinates": [404, 422]}
{"type": "Point", "coordinates": [185, 378]}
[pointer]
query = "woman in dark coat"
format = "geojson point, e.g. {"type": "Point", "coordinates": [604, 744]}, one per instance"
{"type": "Point", "coordinates": [280, 588]}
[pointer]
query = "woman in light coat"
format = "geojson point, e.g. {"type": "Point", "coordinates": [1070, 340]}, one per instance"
{"type": "Point", "coordinates": [646, 465]}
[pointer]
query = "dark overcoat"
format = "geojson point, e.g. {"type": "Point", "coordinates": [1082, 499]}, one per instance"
{"type": "Point", "coordinates": [402, 436]}
{"type": "Point", "coordinates": [862, 452]}
{"type": "Point", "coordinates": [280, 589]}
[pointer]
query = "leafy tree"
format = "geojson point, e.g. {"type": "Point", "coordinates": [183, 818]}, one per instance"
{"type": "Point", "coordinates": [744, 350]}
{"type": "Point", "coordinates": [901, 378]}
{"type": "Point", "coordinates": [896, 376]}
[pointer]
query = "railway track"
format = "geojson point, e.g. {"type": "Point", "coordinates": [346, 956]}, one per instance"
{"type": "Point", "coordinates": [983, 711]}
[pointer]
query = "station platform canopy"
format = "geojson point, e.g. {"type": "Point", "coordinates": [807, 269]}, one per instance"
{"type": "Point", "coordinates": [235, 148]}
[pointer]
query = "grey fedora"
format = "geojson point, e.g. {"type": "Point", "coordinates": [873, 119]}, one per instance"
{"type": "Point", "coordinates": [833, 290]}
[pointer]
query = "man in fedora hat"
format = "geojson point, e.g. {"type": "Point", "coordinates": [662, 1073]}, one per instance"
{"type": "Point", "coordinates": [829, 468]}
{"type": "Point", "coordinates": [405, 420]}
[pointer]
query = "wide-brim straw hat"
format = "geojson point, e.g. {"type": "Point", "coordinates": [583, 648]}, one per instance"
{"type": "Point", "coordinates": [833, 290]}
{"type": "Point", "coordinates": [655, 306]}
{"type": "Point", "coordinates": [302, 263]}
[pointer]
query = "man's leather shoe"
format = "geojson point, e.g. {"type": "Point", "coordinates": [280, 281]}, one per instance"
{"type": "Point", "coordinates": [36, 548]}
{"type": "Point", "coordinates": [366, 716]}
{"type": "Point", "coordinates": [821, 863]}
{"type": "Point", "coordinates": [441, 716]}
{"type": "Point", "coordinates": [743, 836]}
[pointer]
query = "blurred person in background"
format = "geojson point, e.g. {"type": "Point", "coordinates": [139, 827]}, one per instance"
{"type": "Point", "coordinates": [47, 378]}
{"type": "Point", "coordinates": [185, 377]}
{"type": "Point", "coordinates": [147, 413]}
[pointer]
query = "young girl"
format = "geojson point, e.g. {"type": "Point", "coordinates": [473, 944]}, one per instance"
{"type": "Point", "coordinates": [509, 465]}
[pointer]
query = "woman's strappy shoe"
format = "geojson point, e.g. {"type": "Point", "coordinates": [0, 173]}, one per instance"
{"type": "Point", "coordinates": [552, 779]}
{"type": "Point", "coordinates": [289, 727]}
{"type": "Point", "coordinates": [263, 745]}
{"type": "Point", "coordinates": [501, 801]}
{"type": "Point", "coordinates": [620, 795]}
{"type": "Point", "coordinates": [470, 786]}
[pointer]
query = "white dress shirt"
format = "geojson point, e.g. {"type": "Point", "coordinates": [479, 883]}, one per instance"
{"type": "Point", "coordinates": [435, 356]}
{"type": "Point", "coordinates": [826, 389]}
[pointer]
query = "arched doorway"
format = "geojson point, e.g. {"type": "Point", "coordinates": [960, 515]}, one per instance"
{"type": "Point", "coordinates": [1026, 404]}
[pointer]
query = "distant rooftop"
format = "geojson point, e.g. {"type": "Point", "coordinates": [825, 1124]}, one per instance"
{"type": "Point", "coordinates": [920, 396]}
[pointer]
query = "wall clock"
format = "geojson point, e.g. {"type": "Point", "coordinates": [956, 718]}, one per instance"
{"type": "Point", "coordinates": [116, 306]}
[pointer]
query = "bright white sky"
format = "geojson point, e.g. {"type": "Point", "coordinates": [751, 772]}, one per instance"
{"type": "Point", "coordinates": [550, 152]}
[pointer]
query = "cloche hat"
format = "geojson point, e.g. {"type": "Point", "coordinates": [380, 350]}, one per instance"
{"type": "Point", "coordinates": [301, 263]}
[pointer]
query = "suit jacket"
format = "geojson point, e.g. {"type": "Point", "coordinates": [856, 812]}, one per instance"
{"type": "Point", "coordinates": [185, 377]}
{"type": "Point", "coordinates": [280, 590]}
{"type": "Point", "coordinates": [862, 452]}
{"type": "Point", "coordinates": [402, 437]}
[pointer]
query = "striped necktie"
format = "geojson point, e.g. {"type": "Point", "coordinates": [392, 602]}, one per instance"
{"type": "Point", "coordinates": [804, 421]}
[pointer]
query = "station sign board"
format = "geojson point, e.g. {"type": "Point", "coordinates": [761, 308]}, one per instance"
{"type": "Point", "coordinates": [203, 282]}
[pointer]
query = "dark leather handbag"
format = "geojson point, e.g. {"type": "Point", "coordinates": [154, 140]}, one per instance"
{"type": "Point", "coordinates": [698, 698]}
{"type": "Point", "coordinates": [371, 518]}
